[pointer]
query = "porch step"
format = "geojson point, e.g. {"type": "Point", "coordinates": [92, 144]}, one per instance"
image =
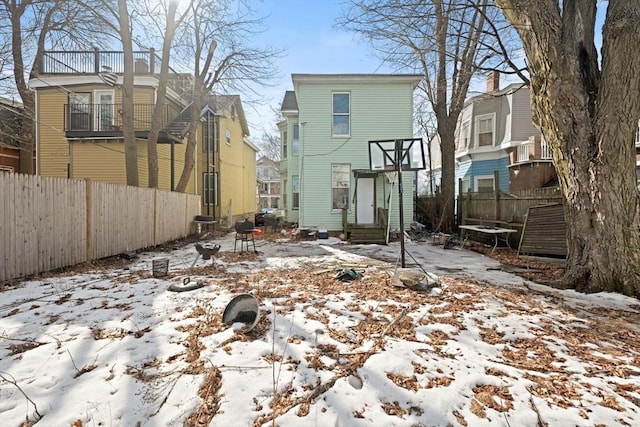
{"type": "Point", "coordinates": [367, 235]}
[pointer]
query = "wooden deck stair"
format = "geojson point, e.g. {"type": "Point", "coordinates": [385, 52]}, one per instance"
{"type": "Point", "coordinates": [368, 233]}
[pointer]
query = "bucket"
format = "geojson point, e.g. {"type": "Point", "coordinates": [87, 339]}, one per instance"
{"type": "Point", "coordinates": [242, 309]}
{"type": "Point", "coordinates": [160, 267]}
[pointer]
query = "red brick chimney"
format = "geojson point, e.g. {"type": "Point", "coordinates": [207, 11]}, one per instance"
{"type": "Point", "coordinates": [493, 81]}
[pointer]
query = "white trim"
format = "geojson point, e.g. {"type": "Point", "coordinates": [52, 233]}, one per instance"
{"type": "Point", "coordinates": [479, 177]}
{"type": "Point", "coordinates": [333, 114]}
{"type": "Point", "coordinates": [476, 130]}
{"type": "Point", "coordinates": [98, 110]}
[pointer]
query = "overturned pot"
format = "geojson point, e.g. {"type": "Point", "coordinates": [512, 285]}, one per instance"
{"type": "Point", "coordinates": [243, 308]}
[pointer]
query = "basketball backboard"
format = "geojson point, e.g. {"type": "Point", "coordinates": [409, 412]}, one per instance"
{"type": "Point", "coordinates": [386, 155]}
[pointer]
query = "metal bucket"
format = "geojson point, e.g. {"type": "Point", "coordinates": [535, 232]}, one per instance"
{"type": "Point", "coordinates": [243, 308]}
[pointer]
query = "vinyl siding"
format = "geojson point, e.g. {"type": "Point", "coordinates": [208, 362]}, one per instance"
{"type": "Point", "coordinates": [487, 168]}
{"type": "Point", "coordinates": [521, 122]}
{"type": "Point", "coordinates": [52, 146]}
{"type": "Point", "coordinates": [377, 111]}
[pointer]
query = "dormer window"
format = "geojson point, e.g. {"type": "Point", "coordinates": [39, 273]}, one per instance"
{"type": "Point", "coordinates": [485, 130]}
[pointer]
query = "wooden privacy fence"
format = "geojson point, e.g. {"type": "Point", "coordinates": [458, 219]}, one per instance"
{"type": "Point", "coordinates": [504, 207]}
{"type": "Point", "coordinates": [48, 223]}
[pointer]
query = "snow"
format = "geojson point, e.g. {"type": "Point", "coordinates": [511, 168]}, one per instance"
{"type": "Point", "coordinates": [112, 346]}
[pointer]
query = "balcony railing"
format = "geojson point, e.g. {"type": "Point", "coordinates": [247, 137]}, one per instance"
{"type": "Point", "coordinates": [97, 61]}
{"type": "Point", "coordinates": [105, 118]}
{"type": "Point", "coordinates": [529, 151]}
{"type": "Point", "coordinates": [112, 62]}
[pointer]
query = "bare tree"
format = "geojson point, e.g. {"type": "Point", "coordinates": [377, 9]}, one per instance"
{"type": "Point", "coordinates": [169, 31]}
{"type": "Point", "coordinates": [224, 28]}
{"type": "Point", "coordinates": [27, 27]}
{"type": "Point", "coordinates": [588, 110]}
{"type": "Point", "coordinates": [270, 145]}
{"type": "Point", "coordinates": [447, 42]}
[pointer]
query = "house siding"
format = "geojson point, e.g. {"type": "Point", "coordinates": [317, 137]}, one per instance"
{"type": "Point", "coordinates": [487, 168]}
{"type": "Point", "coordinates": [377, 111]}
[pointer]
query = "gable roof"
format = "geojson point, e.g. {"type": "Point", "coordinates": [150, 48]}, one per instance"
{"type": "Point", "coordinates": [219, 103]}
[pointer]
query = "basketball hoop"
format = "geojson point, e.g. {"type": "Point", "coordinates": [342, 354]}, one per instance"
{"type": "Point", "coordinates": [392, 177]}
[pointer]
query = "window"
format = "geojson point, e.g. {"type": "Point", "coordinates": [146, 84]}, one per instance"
{"type": "Point", "coordinates": [484, 184]}
{"type": "Point", "coordinates": [465, 133]}
{"type": "Point", "coordinates": [295, 192]}
{"type": "Point", "coordinates": [209, 188]}
{"type": "Point", "coordinates": [227, 134]}
{"type": "Point", "coordinates": [485, 130]}
{"type": "Point", "coordinates": [233, 112]}
{"type": "Point", "coordinates": [295, 145]}
{"type": "Point", "coordinates": [341, 111]}
{"type": "Point", "coordinates": [79, 112]}
{"type": "Point", "coordinates": [284, 194]}
{"type": "Point", "coordinates": [638, 134]}
{"type": "Point", "coordinates": [340, 185]}
{"type": "Point", "coordinates": [208, 137]}
{"type": "Point", "coordinates": [466, 185]}
{"type": "Point", "coordinates": [285, 135]}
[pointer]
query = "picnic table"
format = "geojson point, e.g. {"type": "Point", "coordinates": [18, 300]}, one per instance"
{"type": "Point", "coordinates": [497, 233]}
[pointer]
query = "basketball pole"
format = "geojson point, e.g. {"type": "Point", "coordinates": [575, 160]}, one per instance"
{"type": "Point", "coordinates": [398, 156]}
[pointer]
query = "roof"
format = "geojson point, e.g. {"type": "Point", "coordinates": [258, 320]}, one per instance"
{"type": "Point", "coordinates": [220, 103]}
{"type": "Point", "coordinates": [357, 78]}
{"type": "Point", "coordinates": [289, 103]}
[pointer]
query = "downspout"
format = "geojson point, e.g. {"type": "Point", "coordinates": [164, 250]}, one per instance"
{"type": "Point", "coordinates": [300, 176]}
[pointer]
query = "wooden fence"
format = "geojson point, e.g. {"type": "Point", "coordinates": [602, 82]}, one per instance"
{"type": "Point", "coordinates": [49, 223]}
{"type": "Point", "coordinates": [493, 208]}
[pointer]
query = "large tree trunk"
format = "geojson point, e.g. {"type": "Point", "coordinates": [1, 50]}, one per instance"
{"type": "Point", "coordinates": [27, 127]}
{"type": "Point", "coordinates": [446, 130]}
{"type": "Point", "coordinates": [128, 119]}
{"type": "Point", "coordinates": [158, 110]}
{"type": "Point", "coordinates": [189, 155]}
{"type": "Point", "coordinates": [589, 118]}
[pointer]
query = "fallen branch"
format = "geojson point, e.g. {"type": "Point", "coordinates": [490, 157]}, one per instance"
{"type": "Point", "coordinates": [15, 384]}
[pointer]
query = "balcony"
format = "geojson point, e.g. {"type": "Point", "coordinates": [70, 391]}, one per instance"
{"type": "Point", "coordinates": [105, 121]}
{"type": "Point", "coordinates": [535, 150]}
{"type": "Point", "coordinates": [111, 63]}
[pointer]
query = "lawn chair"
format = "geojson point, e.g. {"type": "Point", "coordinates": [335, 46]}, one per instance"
{"type": "Point", "coordinates": [244, 233]}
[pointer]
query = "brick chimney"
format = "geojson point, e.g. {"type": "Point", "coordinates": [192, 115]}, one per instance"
{"type": "Point", "coordinates": [493, 81]}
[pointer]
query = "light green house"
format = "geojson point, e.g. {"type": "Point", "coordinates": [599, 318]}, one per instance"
{"type": "Point", "coordinates": [325, 172]}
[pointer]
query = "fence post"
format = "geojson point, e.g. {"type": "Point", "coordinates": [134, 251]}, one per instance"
{"type": "Point", "coordinates": [89, 213]}
{"type": "Point", "coordinates": [496, 180]}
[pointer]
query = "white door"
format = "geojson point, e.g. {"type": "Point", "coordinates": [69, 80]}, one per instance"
{"type": "Point", "coordinates": [364, 201]}
{"type": "Point", "coordinates": [103, 110]}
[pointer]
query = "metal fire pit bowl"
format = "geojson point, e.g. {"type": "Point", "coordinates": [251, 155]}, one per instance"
{"type": "Point", "coordinates": [243, 308]}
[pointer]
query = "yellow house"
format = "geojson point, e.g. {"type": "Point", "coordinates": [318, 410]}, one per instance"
{"type": "Point", "coordinates": [79, 130]}
{"type": "Point", "coordinates": [227, 161]}
{"type": "Point", "coordinates": [79, 121]}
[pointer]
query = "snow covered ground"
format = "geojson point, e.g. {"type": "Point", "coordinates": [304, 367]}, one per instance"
{"type": "Point", "coordinates": [112, 346]}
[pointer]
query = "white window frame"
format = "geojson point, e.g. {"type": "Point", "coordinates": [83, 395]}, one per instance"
{"type": "Point", "coordinates": [285, 146]}
{"type": "Point", "coordinates": [295, 192]}
{"type": "Point", "coordinates": [227, 136]}
{"type": "Point", "coordinates": [465, 134]}
{"type": "Point", "coordinates": [340, 114]}
{"type": "Point", "coordinates": [341, 186]}
{"type": "Point", "coordinates": [638, 135]}
{"type": "Point", "coordinates": [476, 186]}
{"type": "Point", "coordinates": [99, 110]}
{"type": "Point", "coordinates": [480, 118]}
{"type": "Point", "coordinates": [206, 191]}
{"type": "Point", "coordinates": [295, 142]}
{"type": "Point", "coordinates": [466, 185]}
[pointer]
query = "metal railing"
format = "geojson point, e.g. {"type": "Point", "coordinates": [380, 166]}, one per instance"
{"type": "Point", "coordinates": [108, 117]}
